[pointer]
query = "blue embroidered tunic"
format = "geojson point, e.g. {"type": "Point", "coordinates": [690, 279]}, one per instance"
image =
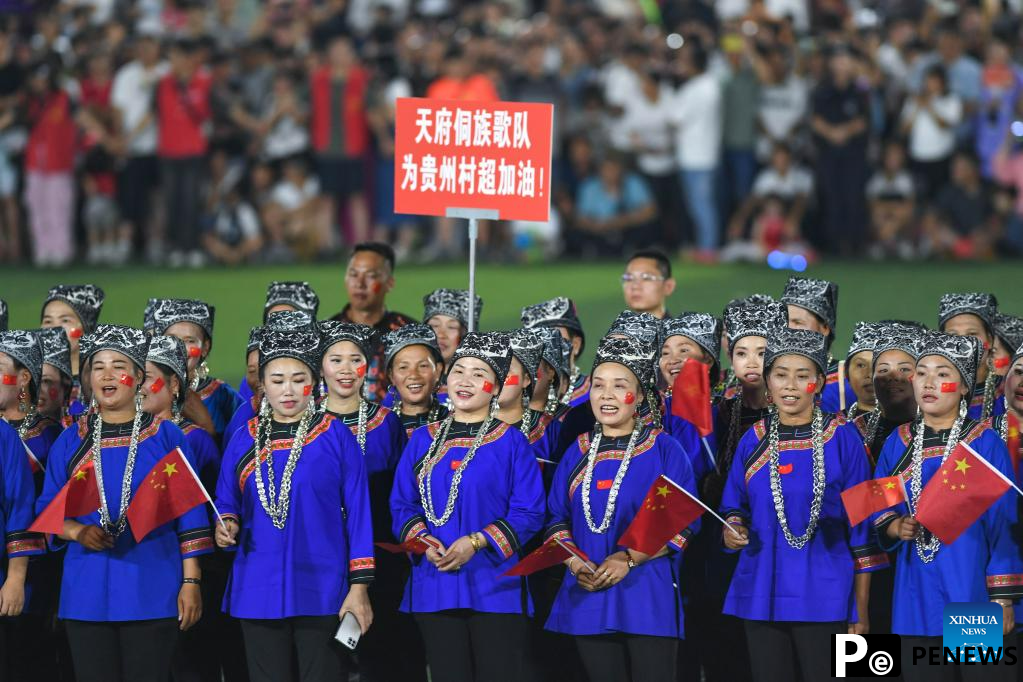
{"type": "Point", "coordinates": [977, 400]}
{"type": "Point", "coordinates": [688, 436]}
{"type": "Point", "coordinates": [983, 563]}
{"type": "Point", "coordinates": [239, 420]}
{"type": "Point", "coordinates": [132, 581]}
{"type": "Point", "coordinates": [327, 542]}
{"type": "Point", "coordinates": [647, 601]}
{"type": "Point", "coordinates": [17, 495]}
{"type": "Point", "coordinates": [773, 581]}
{"type": "Point", "coordinates": [501, 495]}
{"type": "Point", "coordinates": [221, 400]}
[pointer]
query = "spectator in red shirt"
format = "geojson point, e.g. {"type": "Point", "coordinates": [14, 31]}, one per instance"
{"type": "Point", "coordinates": [183, 108]}
{"type": "Point", "coordinates": [49, 167]}
{"type": "Point", "coordinates": [340, 132]}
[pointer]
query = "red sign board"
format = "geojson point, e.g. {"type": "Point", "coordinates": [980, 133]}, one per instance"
{"type": "Point", "coordinates": [479, 155]}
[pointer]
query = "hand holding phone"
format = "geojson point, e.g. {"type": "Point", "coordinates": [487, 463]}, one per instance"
{"type": "Point", "coordinates": [349, 632]}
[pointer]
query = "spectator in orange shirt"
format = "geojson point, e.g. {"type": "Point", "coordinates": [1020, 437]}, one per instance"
{"type": "Point", "coordinates": [460, 82]}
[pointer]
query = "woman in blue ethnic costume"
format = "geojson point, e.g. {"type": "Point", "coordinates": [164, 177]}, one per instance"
{"type": "Point", "coordinates": [204, 650]}
{"type": "Point", "coordinates": [1008, 337]}
{"type": "Point", "coordinates": [347, 348]}
{"type": "Point", "coordinates": [973, 314]}
{"type": "Point", "coordinates": [414, 366]}
{"type": "Point", "coordinates": [295, 501]}
{"type": "Point", "coordinates": [560, 314]}
{"type": "Point", "coordinates": [813, 304]}
{"type": "Point", "coordinates": [983, 563]}
{"type": "Point", "coordinates": [803, 574]}
{"type": "Point", "coordinates": [695, 336]}
{"type": "Point", "coordinates": [470, 485]}
{"type": "Point", "coordinates": [75, 308]}
{"type": "Point", "coordinates": [56, 380]}
{"type": "Point", "coordinates": [538, 426]}
{"type": "Point", "coordinates": [21, 368]}
{"type": "Point", "coordinates": [123, 602]}
{"type": "Point", "coordinates": [623, 608]}
{"type": "Point", "coordinates": [446, 312]}
{"type": "Point", "coordinates": [552, 375]}
{"type": "Point", "coordinates": [192, 322]}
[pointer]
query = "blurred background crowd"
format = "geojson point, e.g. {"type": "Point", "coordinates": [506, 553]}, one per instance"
{"type": "Point", "coordinates": [195, 132]}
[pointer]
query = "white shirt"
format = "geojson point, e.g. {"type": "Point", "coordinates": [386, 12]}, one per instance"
{"type": "Point", "coordinates": [132, 94]}
{"type": "Point", "coordinates": [899, 185]}
{"type": "Point", "coordinates": [697, 116]}
{"type": "Point", "coordinates": [290, 196]}
{"type": "Point", "coordinates": [651, 123]}
{"type": "Point", "coordinates": [782, 108]}
{"type": "Point", "coordinates": [797, 181]}
{"type": "Point", "coordinates": [927, 140]}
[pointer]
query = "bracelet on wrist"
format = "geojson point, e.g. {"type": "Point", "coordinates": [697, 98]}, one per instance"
{"type": "Point", "coordinates": [476, 545]}
{"type": "Point", "coordinates": [629, 560]}
{"type": "Point", "coordinates": [191, 581]}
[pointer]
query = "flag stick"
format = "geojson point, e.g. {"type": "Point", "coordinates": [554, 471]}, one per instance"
{"type": "Point", "coordinates": [216, 512]}
{"type": "Point", "coordinates": [841, 385]}
{"type": "Point", "coordinates": [545, 461]}
{"type": "Point", "coordinates": [700, 502]}
{"type": "Point", "coordinates": [706, 446]}
{"type": "Point", "coordinates": [574, 553]}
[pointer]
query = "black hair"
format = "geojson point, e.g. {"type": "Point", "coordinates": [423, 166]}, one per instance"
{"type": "Point", "coordinates": [662, 260]}
{"type": "Point", "coordinates": [938, 71]}
{"type": "Point", "coordinates": [698, 55]}
{"type": "Point", "coordinates": [380, 248]}
{"type": "Point", "coordinates": [33, 390]}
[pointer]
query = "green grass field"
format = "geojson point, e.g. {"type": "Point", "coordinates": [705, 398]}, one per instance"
{"type": "Point", "coordinates": [867, 292]}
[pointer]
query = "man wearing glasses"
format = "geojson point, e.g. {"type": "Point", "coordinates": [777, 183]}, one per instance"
{"type": "Point", "coordinates": [647, 283]}
{"type": "Point", "coordinates": [368, 279]}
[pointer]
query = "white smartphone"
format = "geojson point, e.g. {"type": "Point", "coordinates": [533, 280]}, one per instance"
{"type": "Point", "coordinates": [349, 631]}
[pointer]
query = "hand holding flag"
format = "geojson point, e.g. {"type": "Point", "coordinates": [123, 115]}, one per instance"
{"type": "Point", "coordinates": [551, 553]}
{"type": "Point", "coordinates": [170, 489]}
{"type": "Point", "coordinates": [872, 496]}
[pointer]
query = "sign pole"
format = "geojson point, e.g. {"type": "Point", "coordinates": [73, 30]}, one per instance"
{"type": "Point", "coordinates": [473, 215]}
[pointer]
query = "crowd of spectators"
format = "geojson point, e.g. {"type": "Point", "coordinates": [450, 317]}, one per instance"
{"type": "Point", "coordinates": [189, 132]}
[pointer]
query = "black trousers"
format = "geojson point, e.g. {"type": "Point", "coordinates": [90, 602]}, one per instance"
{"type": "Point", "coordinates": [130, 651]}
{"type": "Point", "coordinates": [392, 631]}
{"type": "Point", "coordinates": [469, 646]}
{"type": "Point", "coordinates": [182, 182]}
{"type": "Point", "coordinates": [924, 672]}
{"type": "Point", "coordinates": [271, 645]}
{"type": "Point", "coordinates": [788, 651]}
{"type": "Point", "coordinates": [620, 658]}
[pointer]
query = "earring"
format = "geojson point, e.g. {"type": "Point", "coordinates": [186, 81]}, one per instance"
{"type": "Point", "coordinates": [23, 400]}
{"type": "Point", "coordinates": [963, 409]}
{"type": "Point", "coordinates": [493, 407]}
{"type": "Point", "coordinates": [264, 408]}
{"type": "Point", "coordinates": [138, 402]}
{"type": "Point", "coordinates": [93, 404]}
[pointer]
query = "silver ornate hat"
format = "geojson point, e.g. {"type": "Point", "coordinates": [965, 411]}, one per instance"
{"type": "Point", "coordinates": [411, 335]}
{"type": "Point", "coordinates": [701, 328]}
{"type": "Point", "coordinates": [128, 341]}
{"type": "Point", "coordinates": [56, 349]}
{"type": "Point", "coordinates": [85, 299]}
{"type": "Point", "coordinates": [169, 311]}
{"type": "Point", "coordinates": [332, 331]}
{"type": "Point", "coordinates": [963, 352]}
{"type": "Point", "coordinates": [899, 335]}
{"type": "Point", "coordinates": [809, 344]}
{"type": "Point", "coordinates": [453, 303]}
{"type": "Point", "coordinates": [643, 326]}
{"type": "Point", "coordinates": [556, 312]}
{"type": "Point", "coordinates": [752, 319]}
{"type": "Point", "coordinates": [557, 352]}
{"type": "Point", "coordinates": [819, 296]}
{"type": "Point", "coordinates": [1009, 329]}
{"type": "Point", "coordinates": [527, 346]}
{"type": "Point", "coordinates": [255, 334]}
{"type": "Point", "coordinates": [493, 348]}
{"type": "Point", "coordinates": [980, 304]}
{"type": "Point", "coordinates": [170, 352]}
{"type": "Point", "coordinates": [4, 314]}
{"type": "Point", "coordinates": [629, 351]}
{"type": "Point", "coordinates": [291, 320]}
{"type": "Point", "coordinates": [23, 346]}
{"type": "Point", "coordinates": [301, 345]}
{"type": "Point", "coordinates": [299, 295]}
{"type": "Point", "coordinates": [865, 337]}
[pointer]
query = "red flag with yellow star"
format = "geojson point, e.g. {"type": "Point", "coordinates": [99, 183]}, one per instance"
{"type": "Point", "coordinates": [690, 396]}
{"type": "Point", "coordinates": [170, 489]}
{"type": "Point", "coordinates": [872, 496]}
{"type": "Point", "coordinates": [551, 553]}
{"type": "Point", "coordinates": [667, 510]}
{"type": "Point", "coordinates": [78, 497]}
{"type": "Point", "coordinates": [959, 493]}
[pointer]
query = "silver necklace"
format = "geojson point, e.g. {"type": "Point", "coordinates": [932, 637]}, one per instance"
{"type": "Point", "coordinates": [276, 505]}
{"type": "Point", "coordinates": [426, 480]}
{"type": "Point", "coordinates": [873, 421]}
{"type": "Point", "coordinates": [928, 548]}
{"type": "Point", "coordinates": [817, 440]}
{"type": "Point", "coordinates": [612, 497]}
{"type": "Point", "coordinates": [989, 392]}
{"type": "Point", "coordinates": [566, 399]}
{"type": "Point", "coordinates": [360, 429]}
{"type": "Point", "coordinates": [114, 529]}
{"type": "Point", "coordinates": [527, 416]}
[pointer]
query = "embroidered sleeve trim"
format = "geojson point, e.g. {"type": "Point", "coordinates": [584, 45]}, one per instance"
{"type": "Point", "coordinates": [23, 543]}
{"type": "Point", "coordinates": [1007, 586]}
{"type": "Point", "coordinates": [413, 527]}
{"type": "Point", "coordinates": [501, 541]}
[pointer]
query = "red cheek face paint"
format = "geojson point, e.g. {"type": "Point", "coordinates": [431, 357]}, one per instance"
{"type": "Point", "coordinates": [307, 389]}
{"type": "Point", "coordinates": [75, 333]}
{"type": "Point", "coordinates": [360, 371]}
{"type": "Point", "coordinates": [53, 393]}
{"type": "Point", "coordinates": [377, 287]}
{"type": "Point", "coordinates": [949, 387]}
{"type": "Point", "coordinates": [1002, 362]}
{"type": "Point", "coordinates": [10, 380]}
{"type": "Point", "coordinates": [127, 379]}
{"type": "Point", "coordinates": [488, 387]}
{"type": "Point", "coordinates": [512, 380]}
{"type": "Point", "coordinates": [194, 352]}
{"type": "Point", "coordinates": [811, 387]}
{"type": "Point", "coordinates": [157, 385]}
{"type": "Point", "coordinates": [630, 398]}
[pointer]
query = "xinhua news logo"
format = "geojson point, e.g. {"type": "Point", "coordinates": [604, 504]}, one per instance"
{"type": "Point", "coordinates": [866, 656]}
{"type": "Point", "coordinates": [975, 629]}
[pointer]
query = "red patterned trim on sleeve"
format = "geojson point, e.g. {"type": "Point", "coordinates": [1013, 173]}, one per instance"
{"type": "Point", "coordinates": [871, 561]}
{"type": "Point", "coordinates": [27, 545]}
{"type": "Point", "coordinates": [361, 564]}
{"type": "Point", "coordinates": [884, 518]}
{"type": "Point", "coordinates": [417, 529]}
{"type": "Point", "coordinates": [499, 539]}
{"type": "Point", "coordinates": [1010, 580]}
{"type": "Point", "coordinates": [679, 542]}
{"type": "Point", "coordinates": [197, 545]}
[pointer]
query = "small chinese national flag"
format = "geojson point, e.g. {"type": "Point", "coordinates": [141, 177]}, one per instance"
{"type": "Point", "coordinates": [78, 497]}
{"type": "Point", "coordinates": [667, 510]}
{"type": "Point", "coordinates": [417, 545]}
{"type": "Point", "coordinates": [872, 496]}
{"type": "Point", "coordinates": [551, 553]}
{"type": "Point", "coordinates": [170, 489]}
{"type": "Point", "coordinates": [959, 493]}
{"type": "Point", "coordinates": [690, 396]}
